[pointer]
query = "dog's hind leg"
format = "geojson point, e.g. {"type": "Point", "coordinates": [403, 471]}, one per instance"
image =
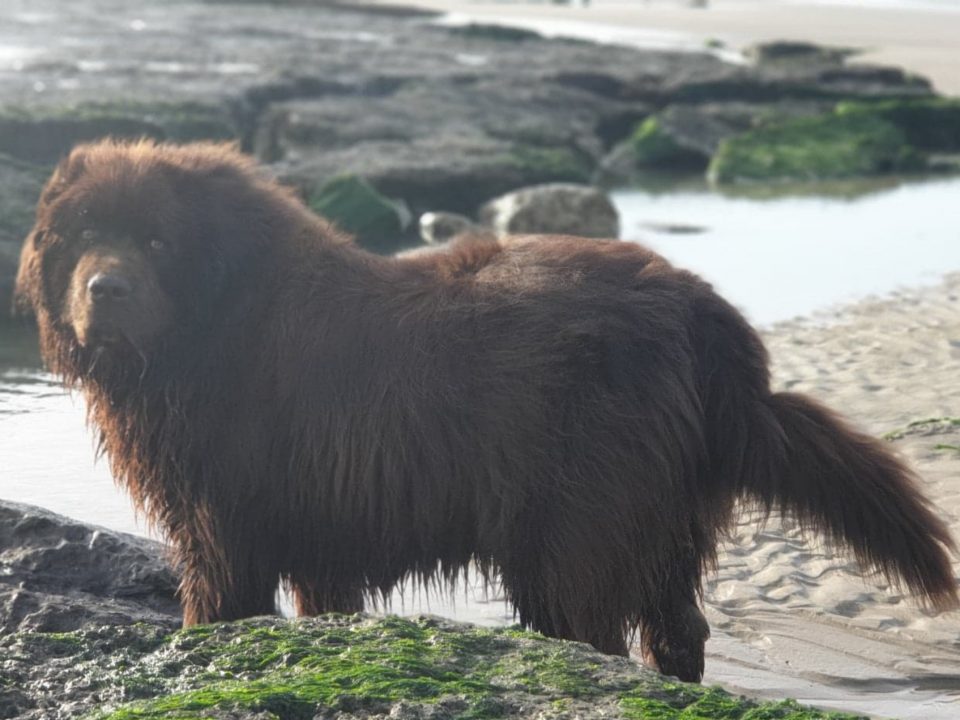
{"type": "Point", "coordinates": [557, 601]}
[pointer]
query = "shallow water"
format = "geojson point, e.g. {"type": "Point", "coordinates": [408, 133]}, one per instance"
{"type": "Point", "coordinates": [781, 257]}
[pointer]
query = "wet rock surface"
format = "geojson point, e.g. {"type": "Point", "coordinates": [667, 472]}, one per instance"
{"type": "Point", "coordinates": [58, 575]}
{"type": "Point", "coordinates": [343, 667]}
{"type": "Point", "coordinates": [439, 227]}
{"type": "Point", "coordinates": [560, 209]}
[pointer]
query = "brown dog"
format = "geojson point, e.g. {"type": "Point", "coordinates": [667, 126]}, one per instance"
{"type": "Point", "coordinates": [577, 417]}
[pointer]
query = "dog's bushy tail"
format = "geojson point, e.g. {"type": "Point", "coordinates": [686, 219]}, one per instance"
{"type": "Point", "coordinates": [801, 459]}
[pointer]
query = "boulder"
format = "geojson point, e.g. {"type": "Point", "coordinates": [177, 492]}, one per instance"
{"type": "Point", "coordinates": [356, 208]}
{"type": "Point", "coordinates": [61, 575]}
{"type": "Point", "coordinates": [438, 227]}
{"type": "Point", "coordinates": [817, 148]}
{"type": "Point", "coordinates": [563, 209]}
{"type": "Point", "coordinates": [931, 124]}
{"type": "Point", "coordinates": [686, 136]}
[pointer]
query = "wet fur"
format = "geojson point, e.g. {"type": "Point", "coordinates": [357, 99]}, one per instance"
{"type": "Point", "coordinates": [575, 416]}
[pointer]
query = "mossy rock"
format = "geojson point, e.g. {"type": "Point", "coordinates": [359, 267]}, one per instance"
{"type": "Point", "coordinates": [358, 209]}
{"type": "Point", "coordinates": [931, 124]}
{"type": "Point", "coordinates": [817, 148]}
{"type": "Point", "coordinates": [346, 666]}
{"type": "Point", "coordinates": [45, 135]}
{"type": "Point", "coordinates": [654, 147]}
{"type": "Point", "coordinates": [540, 164]}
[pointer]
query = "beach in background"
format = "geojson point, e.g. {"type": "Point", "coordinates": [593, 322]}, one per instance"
{"type": "Point", "coordinates": [920, 36]}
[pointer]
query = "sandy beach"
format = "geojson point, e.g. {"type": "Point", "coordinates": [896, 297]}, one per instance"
{"type": "Point", "coordinates": [922, 40]}
{"type": "Point", "coordinates": [789, 616]}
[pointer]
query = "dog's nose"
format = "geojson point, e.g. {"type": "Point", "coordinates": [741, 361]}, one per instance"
{"type": "Point", "coordinates": [106, 286]}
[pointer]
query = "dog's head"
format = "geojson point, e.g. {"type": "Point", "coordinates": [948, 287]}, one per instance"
{"type": "Point", "coordinates": [135, 245]}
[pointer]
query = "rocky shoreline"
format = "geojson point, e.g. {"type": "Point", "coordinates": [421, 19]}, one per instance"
{"type": "Point", "coordinates": [89, 620]}
{"type": "Point", "coordinates": [383, 111]}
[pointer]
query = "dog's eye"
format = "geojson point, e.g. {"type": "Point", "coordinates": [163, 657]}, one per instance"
{"type": "Point", "coordinates": [158, 245]}
{"type": "Point", "coordinates": [88, 234]}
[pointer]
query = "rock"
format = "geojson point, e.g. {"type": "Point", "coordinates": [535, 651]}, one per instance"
{"type": "Point", "coordinates": [344, 668]}
{"type": "Point", "coordinates": [447, 173]}
{"type": "Point", "coordinates": [930, 124]}
{"type": "Point", "coordinates": [789, 51]}
{"type": "Point", "coordinates": [20, 185]}
{"type": "Point", "coordinates": [445, 145]}
{"type": "Point", "coordinates": [675, 140]}
{"type": "Point", "coordinates": [825, 147]}
{"type": "Point", "coordinates": [544, 114]}
{"type": "Point", "coordinates": [45, 135]}
{"type": "Point", "coordinates": [773, 82]}
{"type": "Point", "coordinates": [500, 33]}
{"type": "Point", "coordinates": [356, 208]}
{"type": "Point", "coordinates": [438, 227]}
{"type": "Point", "coordinates": [61, 575]}
{"type": "Point", "coordinates": [685, 137]}
{"type": "Point", "coordinates": [444, 119]}
{"type": "Point", "coordinates": [556, 209]}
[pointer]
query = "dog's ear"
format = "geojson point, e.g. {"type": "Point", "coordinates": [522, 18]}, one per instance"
{"type": "Point", "coordinates": [229, 212]}
{"type": "Point", "coordinates": [67, 171]}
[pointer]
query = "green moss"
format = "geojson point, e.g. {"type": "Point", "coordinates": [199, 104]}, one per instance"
{"type": "Point", "coordinates": [301, 669]}
{"type": "Point", "coordinates": [694, 703]}
{"type": "Point", "coordinates": [293, 670]}
{"type": "Point", "coordinates": [44, 135]}
{"type": "Point", "coordinates": [928, 425]}
{"type": "Point", "coordinates": [829, 146]}
{"type": "Point", "coordinates": [653, 147]}
{"type": "Point", "coordinates": [931, 124]}
{"type": "Point", "coordinates": [550, 164]}
{"type": "Point", "coordinates": [357, 208]}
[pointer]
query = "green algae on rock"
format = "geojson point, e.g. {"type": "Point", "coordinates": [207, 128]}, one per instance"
{"type": "Point", "coordinates": [357, 208]}
{"type": "Point", "coordinates": [654, 147]}
{"type": "Point", "coordinates": [345, 667]}
{"type": "Point", "coordinates": [549, 164]}
{"type": "Point", "coordinates": [931, 124]}
{"type": "Point", "coordinates": [817, 148]}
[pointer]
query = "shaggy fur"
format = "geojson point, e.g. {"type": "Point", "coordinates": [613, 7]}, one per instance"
{"type": "Point", "coordinates": [574, 416]}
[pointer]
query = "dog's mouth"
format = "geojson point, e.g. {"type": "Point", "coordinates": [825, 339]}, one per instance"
{"type": "Point", "coordinates": [109, 350]}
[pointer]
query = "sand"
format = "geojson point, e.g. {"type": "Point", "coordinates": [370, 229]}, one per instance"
{"type": "Point", "coordinates": [790, 617]}
{"type": "Point", "coordinates": [923, 41]}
